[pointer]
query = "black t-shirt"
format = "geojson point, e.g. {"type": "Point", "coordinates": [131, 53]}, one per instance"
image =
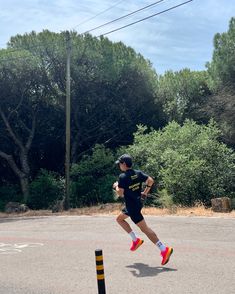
{"type": "Point", "coordinates": [131, 181]}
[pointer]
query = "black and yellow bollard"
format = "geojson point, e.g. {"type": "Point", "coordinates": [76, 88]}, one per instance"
{"type": "Point", "coordinates": [100, 271]}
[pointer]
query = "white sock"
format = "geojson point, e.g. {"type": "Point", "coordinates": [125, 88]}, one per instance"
{"type": "Point", "coordinates": [133, 236]}
{"type": "Point", "coordinates": [161, 246]}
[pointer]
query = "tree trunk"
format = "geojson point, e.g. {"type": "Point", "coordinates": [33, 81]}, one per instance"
{"type": "Point", "coordinates": [22, 171]}
{"type": "Point", "coordinates": [23, 177]}
{"type": "Point", "coordinates": [24, 183]}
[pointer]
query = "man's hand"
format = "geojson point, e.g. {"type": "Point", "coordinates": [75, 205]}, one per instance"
{"type": "Point", "coordinates": [119, 191]}
{"type": "Point", "coordinates": [115, 185]}
{"type": "Point", "coordinates": [143, 196]}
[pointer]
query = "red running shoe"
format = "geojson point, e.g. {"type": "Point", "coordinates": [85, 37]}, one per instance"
{"type": "Point", "coordinates": [136, 244]}
{"type": "Point", "coordinates": [166, 255]}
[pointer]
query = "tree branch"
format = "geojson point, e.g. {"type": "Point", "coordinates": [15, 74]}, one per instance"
{"type": "Point", "coordinates": [12, 163]}
{"type": "Point", "coordinates": [32, 132]}
{"type": "Point", "coordinates": [10, 131]}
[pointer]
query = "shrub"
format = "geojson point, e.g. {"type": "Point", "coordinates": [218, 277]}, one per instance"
{"type": "Point", "coordinates": [165, 200]}
{"type": "Point", "coordinates": [92, 178]}
{"type": "Point", "coordinates": [188, 161]}
{"type": "Point", "coordinates": [9, 193]}
{"type": "Point", "coordinates": [45, 190]}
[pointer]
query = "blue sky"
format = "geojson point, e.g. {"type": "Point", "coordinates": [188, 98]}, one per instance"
{"type": "Point", "coordinates": [180, 38]}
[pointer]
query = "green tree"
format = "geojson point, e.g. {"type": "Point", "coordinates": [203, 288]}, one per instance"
{"type": "Point", "coordinates": [113, 89]}
{"type": "Point", "coordinates": [222, 67]}
{"type": "Point", "coordinates": [182, 94]}
{"type": "Point", "coordinates": [221, 70]}
{"type": "Point", "coordinates": [112, 86]}
{"type": "Point", "coordinates": [221, 107]}
{"type": "Point", "coordinates": [20, 88]}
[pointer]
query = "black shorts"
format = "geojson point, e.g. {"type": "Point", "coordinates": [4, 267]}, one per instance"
{"type": "Point", "coordinates": [135, 215]}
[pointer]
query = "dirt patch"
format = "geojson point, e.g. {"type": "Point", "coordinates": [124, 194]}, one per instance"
{"type": "Point", "coordinates": [114, 209]}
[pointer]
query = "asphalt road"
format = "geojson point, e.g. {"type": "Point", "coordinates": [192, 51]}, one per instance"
{"type": "Point", "coordinates": [56, 255]}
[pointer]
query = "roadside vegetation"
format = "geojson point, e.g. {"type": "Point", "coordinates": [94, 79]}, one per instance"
{"type": "Point", "coordinates": [179, 127]}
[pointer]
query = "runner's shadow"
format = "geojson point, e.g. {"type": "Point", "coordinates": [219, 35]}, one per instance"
{"type": "Point", "coordinates": [144, 270]}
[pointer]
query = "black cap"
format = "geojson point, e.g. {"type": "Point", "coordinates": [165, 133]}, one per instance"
{"type": "Point", "coordinates": [125, 158]}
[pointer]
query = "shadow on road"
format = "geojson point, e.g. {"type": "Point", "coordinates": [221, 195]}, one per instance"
{"type": "Point", "coordinates": [144, 270]}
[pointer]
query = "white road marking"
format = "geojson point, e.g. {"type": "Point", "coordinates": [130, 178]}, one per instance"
{"type": "Point", "coordinates": [6, 248]}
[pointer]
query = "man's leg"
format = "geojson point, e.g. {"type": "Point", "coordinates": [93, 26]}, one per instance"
{"type": "Point", "coordinates": [136, 242]}
{"type": "Point", "coordinates": [165, 251]}
{"type": "Point", "coordinates": [121, 221]}
{"type": "Point", "coordinates": [148, 231]}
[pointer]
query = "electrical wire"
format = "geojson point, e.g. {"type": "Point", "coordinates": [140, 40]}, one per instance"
{"type": "Point", "coordinates": [38, 46]}
{"type": "Point", "coordinates": [9, 50]}
{"type": "Point", "coordinates": [148, 17]}
{"type": "Point", "coordinates": [100, 13]}
{"type": "Point", "coordinates": [125, 16]}
{"type": "Point", "coordinates": [117, 29]}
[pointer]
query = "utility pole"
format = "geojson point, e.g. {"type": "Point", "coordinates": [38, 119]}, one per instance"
{"type": "Point", "coordinates": [68, 123]}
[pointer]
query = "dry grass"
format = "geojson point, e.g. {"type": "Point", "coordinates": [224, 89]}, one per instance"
{"type": "Point", "coordinates": [114, 209]}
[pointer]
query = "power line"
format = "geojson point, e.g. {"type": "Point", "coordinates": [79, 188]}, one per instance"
{"type": "Point", "coordinates": [125, 16]}
{"type": "Point", "coordinates": [155, 14]}
{"type": "Point", "coordinates": [102, 12]}
{"type": "Point", "coordinates": [11, 50]}
{"type": "Point", "coordinates": [109, 32]}
{"type": "Point", "coordinates": [87, 20]}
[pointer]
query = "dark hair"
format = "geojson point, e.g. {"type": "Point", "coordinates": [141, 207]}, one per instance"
{"type": "Point", "coordinates": [125, 158]}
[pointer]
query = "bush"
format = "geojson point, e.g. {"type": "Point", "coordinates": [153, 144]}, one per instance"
{"type": "Point", "coordinates": [165, 200]}
{"type": "Point", "coordinates": [9, 193]}
{"type": "Point", "coordinates": [188, 161]}
{"type": "Point", "coordinates": [92, 178]}
{"type": "Point", "coordinates": [45, 190]}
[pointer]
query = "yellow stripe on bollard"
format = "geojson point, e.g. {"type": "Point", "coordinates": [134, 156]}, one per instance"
{"type": "Point", "coordinates": [100, 277]}
{"type": "Point", "coordinates": [99, 258]}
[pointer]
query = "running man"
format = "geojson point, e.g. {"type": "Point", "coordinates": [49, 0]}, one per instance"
{"type": "Point", "coordinates": [129, 186]}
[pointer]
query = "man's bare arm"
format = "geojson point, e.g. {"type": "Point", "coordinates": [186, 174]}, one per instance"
{"type": "Point", "coordinates": [149, 182]}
